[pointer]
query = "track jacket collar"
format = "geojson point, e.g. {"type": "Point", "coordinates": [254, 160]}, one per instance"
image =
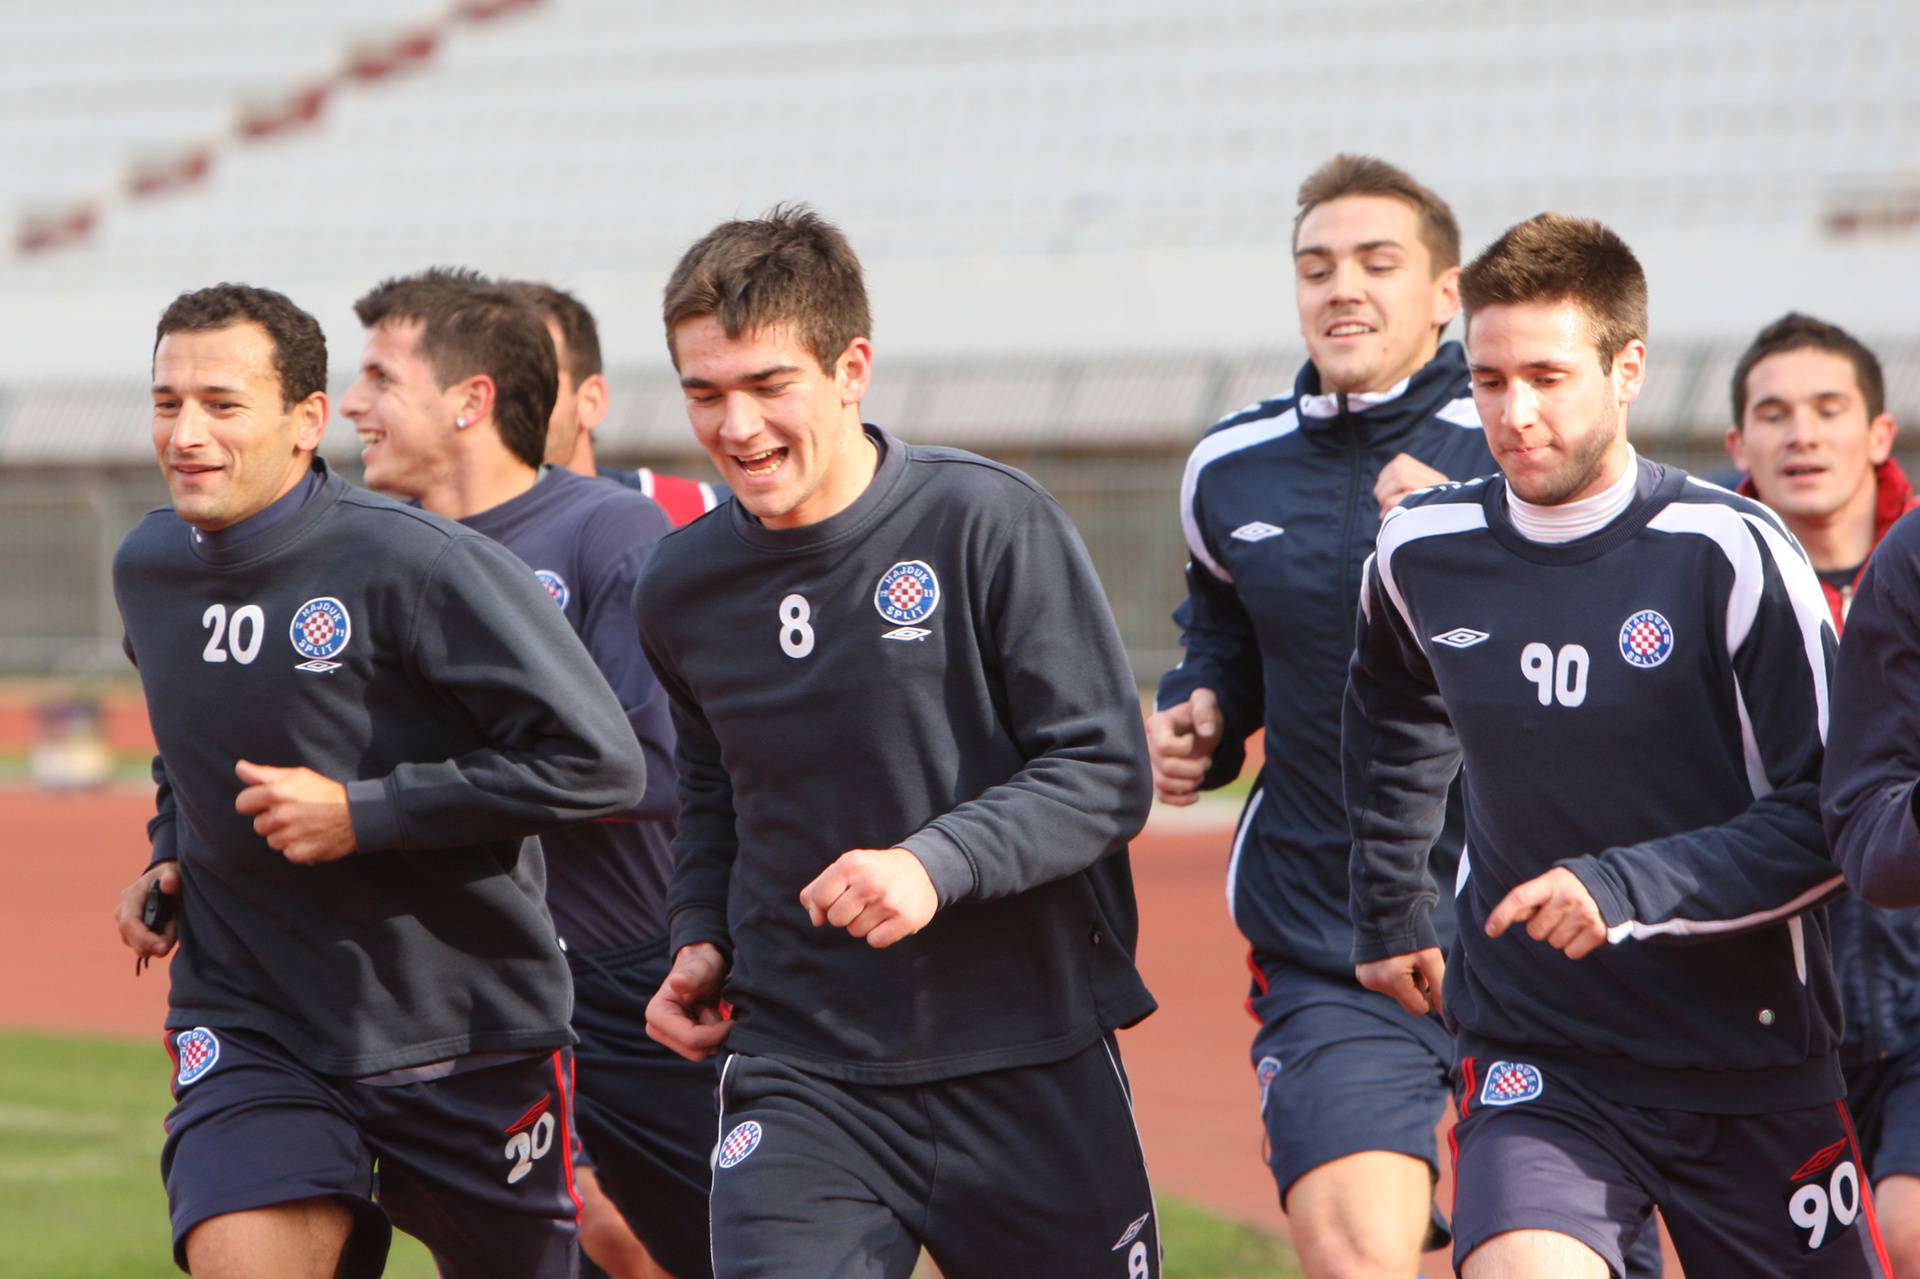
{"type": "Point", "coordinates": [1439, 383]}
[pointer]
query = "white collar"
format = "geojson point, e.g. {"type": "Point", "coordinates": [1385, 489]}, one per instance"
{"type": "Point", "coordinates": [1568, 520]}
{"type": "Point", "coordinates": [1329, 405]}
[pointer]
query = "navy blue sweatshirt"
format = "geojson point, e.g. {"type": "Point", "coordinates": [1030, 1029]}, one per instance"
{"type": "Point", "coordinates": [1279, 513]}
{"type": "Point", "coordinates": [934, 668]}
{"type": "Point", "coordinates": [1645, 707]}
{"type": "Point", "coordinates": [586, 542]}
{"type": "Point", "coordinates": [1868, 789]}
{"type": "Point", "coordinates": [421, 664]}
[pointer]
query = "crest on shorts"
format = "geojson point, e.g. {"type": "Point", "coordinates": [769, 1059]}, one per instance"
{"type": "Point", "coordinates": [1266, 1072]}
{"type": "Point", "coordinates": [556, 585]}
{"type": "Point", "coordinates": [741, 1142]}
{"type": "Point", "coordinates": [1509, 1083]}
{"type": "Point", "coordinates": [197, 1051]}
{"type": "Point", "coordinates": [321, 628]}
{"type": "Point", "coordinates": [908, 593]}
{"type": "Point", "coordinates": [1646, 640]}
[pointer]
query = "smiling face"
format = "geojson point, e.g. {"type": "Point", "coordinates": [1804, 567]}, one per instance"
{"type": "Point", "coordinates": [1371, 307]}
{"type": "Point", "coordinates": [227, 444]}
{"type": "Point", "coordinates": [1555, 421]}
{"type": "Point", "coordinates": [784, 433]}
{"type": "Point", "coordinates": [1806, 438]}
{"type": "Point", "coordinates": [404, 417]}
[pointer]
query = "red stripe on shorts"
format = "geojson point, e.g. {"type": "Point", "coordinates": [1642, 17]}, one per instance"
{"type": "Point", "coordinates": [564, 1082]}
{"type": "Point", "coordinates": [1453, 1148]}
{"type": "Point", "coordinates": [1466, 1085]}
{"type": "Point", "coordinates": [1259, 984]}
{"type": "Point", "coordinates": [1866, 1192]}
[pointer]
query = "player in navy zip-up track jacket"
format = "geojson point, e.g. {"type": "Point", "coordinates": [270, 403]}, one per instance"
{"type": "Point", "coordinates": [1278, 508]}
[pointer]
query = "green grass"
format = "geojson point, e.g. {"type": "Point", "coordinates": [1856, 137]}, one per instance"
{"type": "Point", "coordinates": [80, 1193]}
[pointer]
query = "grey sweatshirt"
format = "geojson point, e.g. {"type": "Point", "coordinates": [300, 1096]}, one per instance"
{"type": "Point", "coordinates": [423, 665]}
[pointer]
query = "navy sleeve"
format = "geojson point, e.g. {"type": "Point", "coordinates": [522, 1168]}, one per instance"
{"type": "Point", "coordinates": [614, 549]}
{"type": "Point", "coordinates": [1222, 651]}
{"type": "Point", "coordinates": [163, 832]}
{"type": "Point", "coordinates": [1399, 756]}
{"type": "Point", "coordinates": [705, 844]}
{"type": "Point", "coordinates": [1073, 711]}
{"type": "Point", "coordinates": [1873, 756]}
{"type": "Point", "coordinates": [1770, 862]}
{"type": "Point", "coordinates": [558, 748]}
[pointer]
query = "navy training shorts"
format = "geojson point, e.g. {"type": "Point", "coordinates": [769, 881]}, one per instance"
{"type": "Point", "coordinates": [1034, 1170]}
{"type": "Point", "coordinates": [1779, 1194]}
{"type": "Point", "coordinates": [646, 1114]}
{"type": "Point", "coordinates": [1342, 1070]}
{"type": "Point", "coordinates": [475, 1164]}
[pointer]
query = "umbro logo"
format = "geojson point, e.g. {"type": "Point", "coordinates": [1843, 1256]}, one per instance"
{"type": "Point", "coordinates": [906, 633]}
{"type": "Point", "coordinates": [1460, 637]}
{"type": "Point", "coordinates": [1257, 532]}
{"type": "Point", "coordinates": [319, 666]}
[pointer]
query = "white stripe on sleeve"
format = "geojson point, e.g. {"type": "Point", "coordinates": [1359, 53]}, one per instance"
{"type": "Point", "coordinates": [1210, 450]}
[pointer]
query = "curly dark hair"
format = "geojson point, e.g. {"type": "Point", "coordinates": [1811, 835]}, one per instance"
{"type": "Point", "coordinates": [299, 347]}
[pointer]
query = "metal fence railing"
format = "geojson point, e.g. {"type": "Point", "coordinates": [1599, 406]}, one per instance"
{"type": "Point", "coordinates": [59, 528]}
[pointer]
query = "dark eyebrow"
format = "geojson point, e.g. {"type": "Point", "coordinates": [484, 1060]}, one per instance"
{"type": "Point", "coordinates": [701, 384]}
{"type": "Point", "coordinates": [161, 388]}
{"type": "Point", "coordinates": [1553, 366]}
{"type": "Point", "coordinates": [1321, 251]}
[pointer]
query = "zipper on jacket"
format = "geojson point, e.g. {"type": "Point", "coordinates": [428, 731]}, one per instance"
{"type": "Point", "coordinates": [1353, 429]}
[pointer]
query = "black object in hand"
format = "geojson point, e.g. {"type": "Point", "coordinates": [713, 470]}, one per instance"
{"type": "Point", "coordinates": [158, 912]}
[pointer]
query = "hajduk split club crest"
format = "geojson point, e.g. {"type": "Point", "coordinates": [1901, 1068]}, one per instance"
{"type": "Point", "coordinates": [198, 1049]}
{"type": "Point", "coordinates": [556, 585]}
{"type": "Point", "coordinates": [740, 1143]}
{"type": "Point", "coordinates": [908, 593]}
{"type": "Point", "coordinates": [1646, 640]}
{"type": "Point", "coordinates": [321, 628]}
{"type": "Point", "coordinates": [1510, 1083]}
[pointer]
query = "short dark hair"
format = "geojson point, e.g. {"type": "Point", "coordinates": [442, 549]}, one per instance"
{"type": "Point", "coordinates": [1796, 332]}
{"type": "Point", "coordinates": [1346, 175]}
{"type": "Point", "coordinates": [470, 326]}
{"type": "Point", "coordinates": [576, 326]}
{"type": "Point", "coordinates": [299, 345]}
{"type": "Point", "coordinates": [1554, 258]}
{"type": "Point", "coordinates": [791, 267]}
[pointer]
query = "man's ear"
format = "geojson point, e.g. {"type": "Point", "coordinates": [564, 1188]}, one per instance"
{"type": "Point", "coordinates": [1629, 370]}
{"type": "Point", "coordinates": [472, 399]}
{"type": "Point", "coordinates": [592, 401]}
{"type": "Point", "coordinates": [853, 371]}
{"type": "Point", "coordinates": [1880, 433]}
{"type": "Point", "coordinates": [1737, 447]}
{"type": "Point", "coordinates": [310, 422]}
{"type": "Point", "coordinates": [1446, 297]}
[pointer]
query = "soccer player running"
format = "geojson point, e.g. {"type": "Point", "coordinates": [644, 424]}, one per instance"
{"type": "Point", "coordinates": [1628, 669]}
{"type": "Point", "coordinates": [1809, 405]}
{"type": "Point", "coordinates": [583, 403]}
{"type": "Point", "coordinates": [910, 758]}
{"type": "Point", "coordinates": [450, 406]}
{"type": "Point", "coordinates": [1280, 504]}
{"type": "Point", "coordinates": [363, 713]}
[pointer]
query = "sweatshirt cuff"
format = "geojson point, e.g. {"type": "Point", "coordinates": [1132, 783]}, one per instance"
{"type": "Point", "coordinates": [1416, 933]}
{"type": "Point", "coordinates": [375, 817]}
{"type": "Point", "coordinates": [1593, 875]}
{"type": "Point", "coordinates": [691, 925]}
{"type": "Point", "coordinates": [946, 863]}
{"type": "Point", "coordinates": [166, 843]}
